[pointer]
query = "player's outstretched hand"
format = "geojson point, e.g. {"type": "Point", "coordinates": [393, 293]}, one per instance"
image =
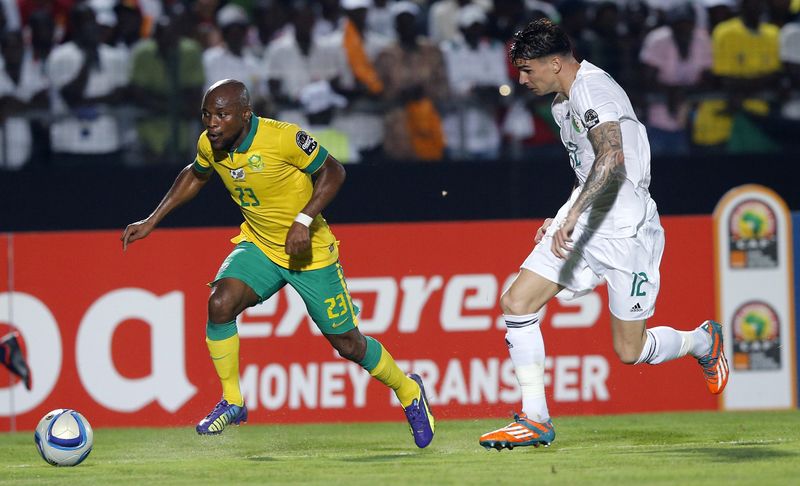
{"type": "Point", "coordinates": [542, 229]}
{"type": "Point", "coordinates": [562, 239]}
{"type": "Point", "coordinates": [135, 231]}
{"type": "Point", "coordinates": [298, 240]}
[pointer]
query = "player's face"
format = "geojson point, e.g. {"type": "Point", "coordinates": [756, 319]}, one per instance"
{"type": "Point", "coordinates": [225, 120]}
{"type": "Point", "coordinates": [537, 75]}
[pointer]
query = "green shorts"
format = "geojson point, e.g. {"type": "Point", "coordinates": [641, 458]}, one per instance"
{"type": "Point", "coordinates": [324, 290]}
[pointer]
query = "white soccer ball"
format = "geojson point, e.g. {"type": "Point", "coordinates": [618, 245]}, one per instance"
{"type": "Point", "coordinates": [64, 437]}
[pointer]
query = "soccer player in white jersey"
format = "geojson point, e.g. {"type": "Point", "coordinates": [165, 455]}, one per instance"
{"type": "Point", "coordinates": [608, 230]}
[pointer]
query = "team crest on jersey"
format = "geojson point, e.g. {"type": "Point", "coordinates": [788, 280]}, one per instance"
{"type": "Point", "coordinates": [255, 163]}
{"type": "Point", "coordinates": [237, 174]}
{"type": "Point", "coordinates": [591, 118]}
{"type": "Point", "coordinates": [577, 124]}
{"type": "Point", "coordinates": [306, 142]}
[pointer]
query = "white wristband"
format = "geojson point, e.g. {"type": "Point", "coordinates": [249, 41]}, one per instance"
{"type": "Point", "coordinates": [304, 219]}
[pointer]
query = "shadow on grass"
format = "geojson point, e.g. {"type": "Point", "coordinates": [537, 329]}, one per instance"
{"type": "Point", "coordinates": [380, 458]}
{"type": "Point", "coordinates": [261, 459]}
{"type": "Point", "coordinates": [728, 453]}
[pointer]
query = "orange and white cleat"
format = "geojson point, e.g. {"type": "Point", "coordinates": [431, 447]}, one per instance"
{"type": "Point", "coordinates": [521, 432]}
{"type": "Point", "coordinates": [714, 364]}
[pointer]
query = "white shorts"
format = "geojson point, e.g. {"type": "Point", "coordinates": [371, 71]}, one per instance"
{"type": "Point", "coordinates": [628, 265]}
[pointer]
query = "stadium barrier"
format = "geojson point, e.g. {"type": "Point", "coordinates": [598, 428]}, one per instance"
{"type": "Point", "coordinates": [120, 336]}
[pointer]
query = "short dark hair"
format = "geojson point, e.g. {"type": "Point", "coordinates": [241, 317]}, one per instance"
{"type": "Point", "coordinates": [539, 38]}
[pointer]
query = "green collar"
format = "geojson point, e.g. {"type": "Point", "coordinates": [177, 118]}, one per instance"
{"type": "Point", "coordinates": [248, 140]}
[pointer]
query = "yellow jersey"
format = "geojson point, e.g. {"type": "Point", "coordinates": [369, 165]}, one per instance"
{"type": "Point", "coordinates": [738, 53]}
{"type": "Point", "coordinates": [269, 178]}
{"type": "Point", "coordinates": [743, 53]}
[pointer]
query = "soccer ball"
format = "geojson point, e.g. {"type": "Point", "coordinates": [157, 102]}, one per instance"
{"type": "Point", "coordinates": [64, 437]}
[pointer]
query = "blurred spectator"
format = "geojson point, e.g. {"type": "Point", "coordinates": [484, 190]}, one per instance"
{"type": "Point", "coordinates": [783, 125]}
{"type": "Point", "coordinates": [86, 78]}
{"type": "Point", "coordinates": [476, 69]}
{"type": "Point", "coordinates": [42, 31]}
{"type": "Point", "coordinates": [779, 12]}
{"type": "Point", "coordinates": [353, 50]}
{"type": "Point", "coordinates": [151, 10]}
{"type": "Point", "coordinates": [204, 22]}
{"type": "Point", "coordinates": [414, 78]}
{"type": "Point", "coordinates": [719, 11]}
{"type": "Point", "coordinates": [57, 9]}
{"type": "Point", "coordinates": [605, 46]}
{"type": "Point", "coordinates": [360, 48]}
{"type": "Point", "coordinates": [331, 19]}
{"type": "Point", "coordinates": [575, 23]}
{"type": "Point", "coordinates": [22, 86]}
{"type": "Point", "coordinates": [9, 16]}
{"type": "Point", "coordinates": [129, 24]}
{"type": "Point", "coordinates": [790, 55]}
{"type": "Point", "coordinates": [106, 19]}
{"type": "Point", "coordinates": [442, 18]}
{"type": "Point", "coordinates": [271, 19]}
{"type": "Point", "coordinates": [545, 7]}
{"type": "Point", "coordinates": [507, 17]}
{"type": "Point", "coordinates": [745, 58]}
{"type": "Point", "coordinates": [675, 58]}
{"type": "Point", "coordinates": [296, 59]}
{"type": "Point", "coordinates": [380, 18]}
{"type": "Point", "coordinates": [637, 23]}
{"type": "Point", "coordinates": [168, 86]}
{"type": "Point", "coordinates": [319, 103]}
{"type": "Point", "coordinates": [232, 58]}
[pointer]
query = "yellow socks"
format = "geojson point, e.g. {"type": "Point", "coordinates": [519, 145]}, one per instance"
{"type": "Point", "coordinates": [380, 364]}
{"type": "Point", "coordinates": [225, 356]}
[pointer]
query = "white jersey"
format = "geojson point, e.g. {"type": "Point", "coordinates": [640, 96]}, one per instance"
{"type": "Point", "coordinates": [595, 98]}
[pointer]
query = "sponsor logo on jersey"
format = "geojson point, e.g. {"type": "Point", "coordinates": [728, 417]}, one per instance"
{"type": "Point", "coordinates": [590, 118]}
{"type": "Point", "coordinates": [237, 174]}
{"type": "Point", "coordinates": [306, 142]}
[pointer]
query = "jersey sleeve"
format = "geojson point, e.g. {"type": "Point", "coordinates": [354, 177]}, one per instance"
{"type": "Point", "coordinates": [595, 104]}
{"type": "Point", "coordinates": [301, 150]}
{"type": "Point", "coordinates": [202, 162]}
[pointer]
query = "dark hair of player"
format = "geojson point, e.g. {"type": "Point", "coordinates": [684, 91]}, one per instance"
{"type": "Point", "coordinates": [539, 38]}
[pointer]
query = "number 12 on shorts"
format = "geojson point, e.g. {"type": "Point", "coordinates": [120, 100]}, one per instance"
{"type": "Point", "coordinates": [636, 286]}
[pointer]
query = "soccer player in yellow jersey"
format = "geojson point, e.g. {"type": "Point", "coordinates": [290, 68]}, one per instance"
{"type": "Point", "coordinates": [267, 167]}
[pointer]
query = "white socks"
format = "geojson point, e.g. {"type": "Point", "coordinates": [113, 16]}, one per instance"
{"type": "Point", "coordinates": [526, 347]}
{"type": "Point", "coordinates": [665, 344]}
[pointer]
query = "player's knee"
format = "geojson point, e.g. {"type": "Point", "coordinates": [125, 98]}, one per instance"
{"type": "Point", "coordinates": [351, 346]}
{"type": "Point", "coordinates": [627, 354]}
{"type": "Point", "coordinates": [513, 306]}
{"type": "Point", "coordinates": [222, 306]}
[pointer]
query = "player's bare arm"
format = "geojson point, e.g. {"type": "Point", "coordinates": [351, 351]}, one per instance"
{"type": "Point", "coordinates": [605, 179]}
{"type": "Point", "coordinates": [186, 186]}
{"type": "Point", "coordinates": [328, 180]}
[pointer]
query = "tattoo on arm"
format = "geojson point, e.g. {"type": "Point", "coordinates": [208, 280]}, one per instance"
{"type": "Point", "coordinates": [608, 170]}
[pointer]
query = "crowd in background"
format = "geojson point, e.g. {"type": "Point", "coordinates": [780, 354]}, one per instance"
{"type": "Point", "coordinates": [120, 81]}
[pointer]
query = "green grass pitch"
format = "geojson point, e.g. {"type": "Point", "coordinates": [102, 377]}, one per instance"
{"type": "Point", "coordinates": [761, 448]}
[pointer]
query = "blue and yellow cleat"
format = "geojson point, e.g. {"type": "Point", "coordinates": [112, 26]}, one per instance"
{"type": "Point", "coordinates": [714, 364]}
{"type": "Point", "coordinates": [521, 432]}
{"type": "Point", "coordinates": [419, 416]}
{"type": "Point", "coordinates": [223, 415]}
